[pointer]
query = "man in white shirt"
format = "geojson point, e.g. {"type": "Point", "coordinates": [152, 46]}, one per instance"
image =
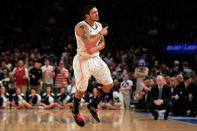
{"type": "Point", "coordinates": [125, 87]}
{"type": "Point", "coordinates": [47, 75]}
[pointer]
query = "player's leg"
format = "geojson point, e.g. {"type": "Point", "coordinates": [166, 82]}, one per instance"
{"type": "Point", "coordinates": [81, 76]}
{"type": "Point", "coordinates": [102, 73]}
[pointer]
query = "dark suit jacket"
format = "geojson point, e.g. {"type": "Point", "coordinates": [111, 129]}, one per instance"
{"type": "Point", "coordinates": [192, 88]}
{"type": "Point", "coordinates": [166, 94]}
{"type": "Point", "coordinates": [180, 90]}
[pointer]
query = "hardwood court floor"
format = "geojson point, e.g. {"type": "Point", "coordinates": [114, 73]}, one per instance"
{"type": "Point", "coordinates": [62, 120]}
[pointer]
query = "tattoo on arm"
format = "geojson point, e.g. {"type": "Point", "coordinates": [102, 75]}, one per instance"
{"type": "Point", "coordinates": [84, 35]}
{"type": "Point", "coordinates": [83, 26]}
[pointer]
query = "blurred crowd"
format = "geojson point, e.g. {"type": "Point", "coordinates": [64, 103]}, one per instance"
{"type": "Point", "coordinates": [26, 72]}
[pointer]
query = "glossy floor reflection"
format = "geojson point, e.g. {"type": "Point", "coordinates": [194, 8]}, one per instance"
{"type": "Point", "coordinates": [62, 120]}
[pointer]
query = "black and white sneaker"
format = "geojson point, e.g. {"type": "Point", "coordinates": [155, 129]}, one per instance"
{"type": "Point", "coordinates": [94, 112]}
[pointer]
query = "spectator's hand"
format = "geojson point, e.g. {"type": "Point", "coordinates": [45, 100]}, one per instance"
{"type": "Point", "coordinates": [146, 89]}
{"type": "Point", "coordinates": [24, 77]}
{"type": "Point", "coordinates": [158, 102]}
{"type": "Point", "coordinates": [33, 76]}
{"type": "Point", "coordinates": [190, 97]}
{"type": "Point", "coordinates": [142, 93]}
{"type": "Point", "coordinates": [10, 74]}
{"type": "Point", "coordinates": [176, 97]}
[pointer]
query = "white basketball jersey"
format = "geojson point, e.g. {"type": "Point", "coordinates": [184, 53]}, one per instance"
{"type": "Point", "coordinates": [93, 31]}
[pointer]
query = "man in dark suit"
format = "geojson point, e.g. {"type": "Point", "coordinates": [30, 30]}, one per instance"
{"type": "Point", "coordinates": [160, 96]}
{"type": "Point", "coordinates": [180, 98]}
{"type": "Point", "coordinates": [191, 98]}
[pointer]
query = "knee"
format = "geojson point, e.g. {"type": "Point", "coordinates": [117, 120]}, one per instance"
{"type": "Point", "coordinates": [109, 85]}
{"type": "Point", "coordinates": [107, 88]}
{"type": "Point", "coordinates": [79, 94]}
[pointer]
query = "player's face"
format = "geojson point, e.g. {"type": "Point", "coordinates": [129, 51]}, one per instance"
{"type": "Point", "coordinates": [93, 15]}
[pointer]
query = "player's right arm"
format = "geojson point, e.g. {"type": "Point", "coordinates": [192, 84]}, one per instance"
{"type": "Point", "coordinates": [83, 32]}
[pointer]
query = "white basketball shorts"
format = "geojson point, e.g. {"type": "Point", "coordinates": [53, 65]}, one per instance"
{"type": "Point", "coordinates": [84, 68]}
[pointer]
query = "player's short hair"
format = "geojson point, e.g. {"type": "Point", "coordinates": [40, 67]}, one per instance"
{"type": "Point", "coordinates": [87, 8]}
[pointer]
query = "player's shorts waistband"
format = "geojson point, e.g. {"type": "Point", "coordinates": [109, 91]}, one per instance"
{"type": "Point", "coordinates": [86, 56]}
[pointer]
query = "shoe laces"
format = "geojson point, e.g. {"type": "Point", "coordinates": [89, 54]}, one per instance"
{"type": "Point", "coordinates": [79, 117]}
{"type": "Point", "coordinates": [97, 110]}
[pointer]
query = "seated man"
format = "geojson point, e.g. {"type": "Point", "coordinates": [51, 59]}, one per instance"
{"type": "Point", "coordinates": [160, 98]}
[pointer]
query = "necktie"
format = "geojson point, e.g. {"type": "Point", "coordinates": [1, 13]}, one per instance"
{"type": "Point", "coordinates": [160, 93]}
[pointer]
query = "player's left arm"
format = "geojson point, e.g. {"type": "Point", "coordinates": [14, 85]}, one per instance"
{"type": "Point", "coordinates": [100, 46]}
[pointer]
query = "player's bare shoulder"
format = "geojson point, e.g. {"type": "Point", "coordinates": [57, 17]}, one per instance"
{"type": "Point", "coordinates": [82, 30]}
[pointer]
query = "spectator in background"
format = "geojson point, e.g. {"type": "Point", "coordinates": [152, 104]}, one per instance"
{"type": "Point", "coordinates": [108, 59]}
{"type": "Point", "coordinates": [5, 79]}
{"type": "Point", "coordinates": [160, 98]}
{"type": "Point", "coordinates": [191, 98]}
{"type": "Point", "coordinates": [119, 75]}
{"type": "Point", "coordinates": [19, 100]}
{"type": "Point", "coordinates": [65, 57]}
{"type": "Point", "coordinates": [48, 99]}
{"type": "Point", "coordinates": [35, 77]}
{"type": "Point", "coordinates": [125, 88]}
{"type": "Point", "coordinates": [21, 74]}
{"type": "Point", "coordinates": [180, 93]}
{"type": "Point", "coordinates": [4, 98]}
{"type": "Point", "coordinates": [47, 75]}
{"type": "Point", "coordinates": [186, 70]}
{"type": "Point", "coordinates": [193, 85]}
{"type": "Point", "coordinates": [114, 103]}
{"type": "Point", "coordinates": [140, 72]}
{"type": "Point", "coordinates": [144, 95]}
{"type": "Point", "coordinates": [175, 69]}
{"type": "Point", "coordinates": [63, 99]}
{"type": "Point", "coordinates": [71, 89]}
{"type": "Point", "coordinates": [179, 79]}
{"type": "Point", "coordinates": [61, 75]}
{"type": "Point", "coordinates": [34, 99]}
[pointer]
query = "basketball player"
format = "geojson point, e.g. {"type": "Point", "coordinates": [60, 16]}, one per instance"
{"type": "Point", "coordinates": [90, 40]}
